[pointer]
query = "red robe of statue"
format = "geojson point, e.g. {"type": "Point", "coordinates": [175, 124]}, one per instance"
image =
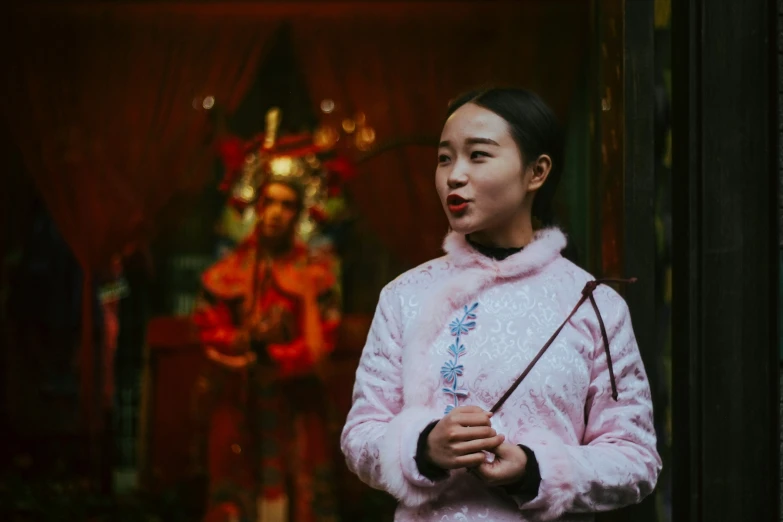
{"type": "Point", "coordinates": [266, 324]}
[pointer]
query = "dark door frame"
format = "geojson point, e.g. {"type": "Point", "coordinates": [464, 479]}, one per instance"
{"type": "Point", "coordinates": [725, 304]}
{"type": "Point", "coordinates": [639, 194]}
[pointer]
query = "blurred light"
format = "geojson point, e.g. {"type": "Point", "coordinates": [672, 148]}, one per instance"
{"type": "Point", "coordinates": [365, 138]}
{"type": "Point", "coordinates": [197, 103]}
{"type": "Point", "coordinates": [272, 126]}
{"type": "Point", "coordinates": [246, 193]}
{"type": "Point", "coordinates": [361, 119]}
{"type": "Point", "coordinates": [368, 134]}
{"type": "Point", "coordinates": [281, 166]}
{"type": "Point", "coordinates": [249, 214]}
{"type": "Point", "coordinates": [306, 227]}
{"type": "Point", "coordinates": [327, 106]}
{"type": "Point", "coordinates": [325, 137]}
{"type": "Point", "coordinates": [209, 102]}
{"type": "Point", "coordinates": [349, 125]}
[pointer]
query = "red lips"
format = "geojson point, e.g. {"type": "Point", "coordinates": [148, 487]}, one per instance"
{"type": "Point", "coordinates": [456, 204]}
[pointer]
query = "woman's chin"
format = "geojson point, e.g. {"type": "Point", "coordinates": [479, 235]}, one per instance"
{"type": "Point", "coordinates": [462, 226]}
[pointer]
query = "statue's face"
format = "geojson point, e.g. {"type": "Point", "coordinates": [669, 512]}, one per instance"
{"type": "Point", "coordinates": [278, 209]}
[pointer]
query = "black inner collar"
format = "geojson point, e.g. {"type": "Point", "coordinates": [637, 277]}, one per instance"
{"type": "Point", "coordinates": [498, 253]}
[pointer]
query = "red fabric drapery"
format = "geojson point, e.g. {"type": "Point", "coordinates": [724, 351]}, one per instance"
{"type": "Point", "coordinates": [401, 67]}
{"type": "Point", "coordinates": [100, 103]}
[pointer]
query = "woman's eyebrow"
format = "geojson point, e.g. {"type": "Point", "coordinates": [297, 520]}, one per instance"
{"type": "Point", "coordinates": [472, 141]}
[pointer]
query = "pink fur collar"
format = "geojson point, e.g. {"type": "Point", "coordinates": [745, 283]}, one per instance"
{"type": "Point", "coordinates": [471, 273]}
{"type": "Point", "coordinates": [545, 247]}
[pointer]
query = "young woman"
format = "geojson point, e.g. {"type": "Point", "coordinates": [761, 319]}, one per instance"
{"type": "Point", "coordinates": [451, 336]}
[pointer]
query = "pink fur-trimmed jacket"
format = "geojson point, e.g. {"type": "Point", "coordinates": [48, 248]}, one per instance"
{"type": "Point", "coordinates": [458, 331]}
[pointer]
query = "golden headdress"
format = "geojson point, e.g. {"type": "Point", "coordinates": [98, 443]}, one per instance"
{"type": "Point", "coordinates": [309, 163]}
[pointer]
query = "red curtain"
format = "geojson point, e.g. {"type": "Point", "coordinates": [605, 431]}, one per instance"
{"type": "Point", "coordinates": [401, 66]}
{"type": "Point", "coordinates": [100, 101]}
{"type": "Point", "coordinates": [101, 104]}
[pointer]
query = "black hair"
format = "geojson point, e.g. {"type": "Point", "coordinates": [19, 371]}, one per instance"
{"type": "Point", "coordinates": [535, 130]}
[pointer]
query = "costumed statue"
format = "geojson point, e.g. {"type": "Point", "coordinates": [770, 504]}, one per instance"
{"type": "Point", "coordinates": [267, 319]}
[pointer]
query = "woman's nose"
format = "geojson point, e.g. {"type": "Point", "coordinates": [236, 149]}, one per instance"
{"type": "Point", "coordinates": [457, 179]}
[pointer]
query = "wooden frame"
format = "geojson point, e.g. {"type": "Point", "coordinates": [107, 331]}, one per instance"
{"type": "Point", "coordinates": [639, 190]}
{"type": "Point", "coordinates": [627, 177]}
{"type": "Point", "coordinates": [726, 374]}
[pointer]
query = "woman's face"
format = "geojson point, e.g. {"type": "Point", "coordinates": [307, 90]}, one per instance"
{"type": "Point", "coordinates": [480, 178]}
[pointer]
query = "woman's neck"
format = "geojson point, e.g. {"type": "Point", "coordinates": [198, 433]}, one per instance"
{"type": "Point", "coordinates": [515, 232]}
{"type": "Point", "coordinates": [509, 238]}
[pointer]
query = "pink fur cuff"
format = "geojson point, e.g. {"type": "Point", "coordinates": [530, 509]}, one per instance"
{"type": "Point", "coordinates": [398, 449]}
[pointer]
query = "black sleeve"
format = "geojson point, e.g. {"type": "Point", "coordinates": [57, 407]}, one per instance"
{"type": "Point", "coordinates": [527, 488]}
{"type": "Point", "coordinates": [426, 467]}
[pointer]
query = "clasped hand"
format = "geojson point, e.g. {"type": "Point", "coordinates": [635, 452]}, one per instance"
{"type": "Point", "coordinates": [459, 440]}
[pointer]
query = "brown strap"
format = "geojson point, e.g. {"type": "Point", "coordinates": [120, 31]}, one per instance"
{"type": "Point", "coordinates": [587, 293]}
{"type": "Point", "coordinates": [606, 346]}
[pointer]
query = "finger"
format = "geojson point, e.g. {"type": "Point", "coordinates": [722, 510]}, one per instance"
{"type": "Point", "coordinates": [498, 442]}
{"type": "Point", "coordinates": [472, 419]}
{"type": "Point", "coordinates": [473, 446]}
{"type": "Point", "coordinates": [470, 461]}
{"type": "Point", "coordinates": [506, 451]}
{"type": "Point", "coordinates": [461, 434]}
{"type": "Point", "coordinates": [468, 409]}
{"type": "Point", "coordinates": [485, 473]}
{"type": "Point", "coordinates": [480, 471]}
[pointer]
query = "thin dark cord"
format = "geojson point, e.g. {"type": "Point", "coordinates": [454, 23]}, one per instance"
{"type": "Point", "coordinates": [606, 346]}
{"type": "Point", "coordinates": [587, 293]}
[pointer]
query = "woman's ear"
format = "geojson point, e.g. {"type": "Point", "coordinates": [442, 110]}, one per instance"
{"type": "Point", "coordinates": [541, 169]}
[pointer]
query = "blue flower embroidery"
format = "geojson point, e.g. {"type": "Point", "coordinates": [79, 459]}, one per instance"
{"type": "Point", "coordinates": [452, 370]}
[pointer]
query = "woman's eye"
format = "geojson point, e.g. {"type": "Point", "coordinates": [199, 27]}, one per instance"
{"type": "Point", "coordinates": [478, 154]}
{"type": "Point", "coordinates": [442, 158]}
